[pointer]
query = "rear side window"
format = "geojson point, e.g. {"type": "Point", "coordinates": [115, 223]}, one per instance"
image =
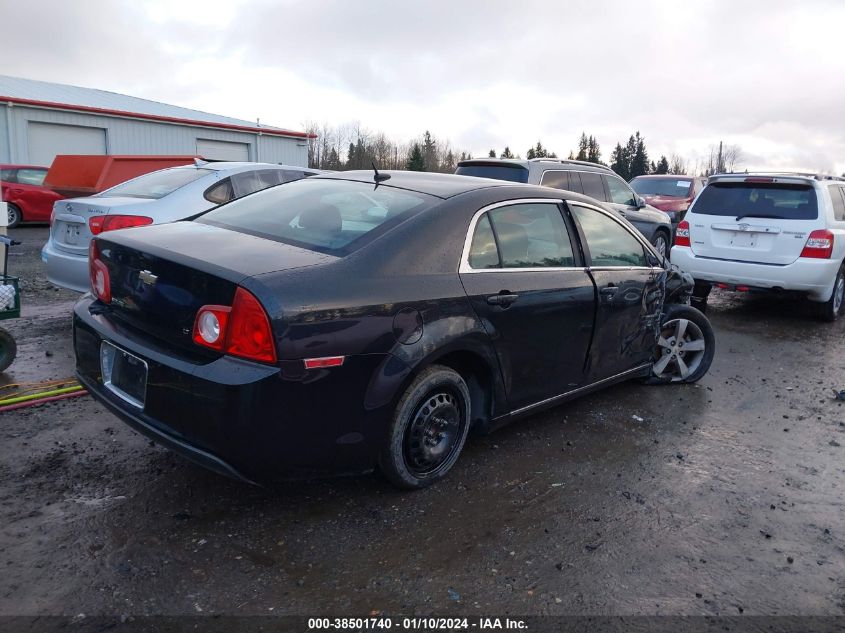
{"type": "Point", "coordinates": [758, 200]}
{"type": "Point", "coordinates": [513, 173]}
{"type": "Point", "coordinates": [610, 244]}
{"type": "Point", "coordinates": [7, 175]}
{"type": "Point", "coordinates": [556, 180]}
{"type": "Point", "coordinates": [521, 236]}
{"type": "Point", "coordinates": [32, 176]}
{"type": "Point", "coordinates": [331, 216]}
{"type": "Point", "coordinates": [157, 184]}
{"type": "Point", "coordinates": [593, 186]}
{"type": "Point", "coordinates": [221, 192]}
{"type": "Point", "coordinates": [248, 182]}
{"type": "Point", "coordinates": [837, 196]}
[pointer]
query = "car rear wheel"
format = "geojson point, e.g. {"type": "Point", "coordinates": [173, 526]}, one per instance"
{"type": "Point", "coordinates": [833, 307]}
{"type": "Point", "coordinates": [429, 429]}
{"type": "Point", "coordinates": [8, 350]}
{"type": "Point", "coordinates": [685, 347]}
{"type": "Point", "coordinates": [15, 215]}
{"type": "Point", "coordinates": [661, 243]}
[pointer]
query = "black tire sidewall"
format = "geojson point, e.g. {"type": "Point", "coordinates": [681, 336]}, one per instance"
{"type": "Point", "coordinates": [8, 350]}
{"type": "Point", "coordinates": [392, 459]}
{"type": "Point", "coordinates": [679, 311]}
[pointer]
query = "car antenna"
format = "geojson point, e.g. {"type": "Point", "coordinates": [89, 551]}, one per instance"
{"type": "Point", "coordinates": [379, 177]}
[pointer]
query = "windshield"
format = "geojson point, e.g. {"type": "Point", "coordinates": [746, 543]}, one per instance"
{"type": "Point", "coordinates": [331, 216]}
{"type": "Point", "coordinates": [513, 173]}
{"type": "Point", "coordinates": [761, 200]}
{"type": "Point", "coordinates": [672, 187]}
{"type": "Point", "coordinates": [157, 184]}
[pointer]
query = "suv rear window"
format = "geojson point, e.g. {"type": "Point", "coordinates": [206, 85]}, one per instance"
{"type": "Point", "coordinates": [157, 184]}
{"type": "Point", "coordinates": [329, 216]}
{"type": "Point", "coordinates": [758, 200]}
{"type": "Point", "coordinates": [513, 173]}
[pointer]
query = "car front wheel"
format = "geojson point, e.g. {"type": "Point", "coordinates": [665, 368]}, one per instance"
{"type": "Point", "coordinates": [661, 243]}
{"type": "Point", "coordinates": [685, 347]}
{"type": "Point", "coordinates": [429, 429]}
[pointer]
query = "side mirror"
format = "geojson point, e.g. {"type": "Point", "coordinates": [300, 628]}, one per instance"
{"type": "Point", "coordinates": [640, 202]}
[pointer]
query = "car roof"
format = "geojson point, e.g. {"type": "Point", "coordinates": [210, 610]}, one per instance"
{"type": "Point", "coordinates": [10, 166]}
{"type": "Point", "coordinates": [559, 163]}
{"type": "Point", "coordinates": [431, 183]}
{"type": "Point", "coordinates": [656, 176]}
{"type": "Point", "coordinates": [775, 177]}
{"type": "Point", "coordinates": [228, 165]}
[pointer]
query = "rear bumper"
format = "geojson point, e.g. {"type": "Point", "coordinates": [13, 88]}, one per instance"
{"type": "Point", "coordinates": [813, 277]}
{"type": "Point", "coordinates": [64, 269]}
{"type": "Point", "coordinates": [250, 421]}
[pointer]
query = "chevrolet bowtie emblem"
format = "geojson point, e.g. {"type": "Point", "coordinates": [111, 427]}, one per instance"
{"type": "Point", "coordinates": [147, 277]}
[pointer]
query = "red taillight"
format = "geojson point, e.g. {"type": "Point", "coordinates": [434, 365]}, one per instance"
{"type": "Point", "coordinates": [819, 245]}
{"type": "Point", "coordinates": [242, 330]}
{"type": "Point", "coordinates": [99, 273]}
{"type": "Point", "coordinates": [320, 363]}
{"type": "Point", "coordinates": [682, 234]}
{"type": "Point", "coordinates": [102, 223]}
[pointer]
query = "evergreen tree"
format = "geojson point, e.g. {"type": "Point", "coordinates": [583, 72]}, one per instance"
{"type": "Point", "coordinates": [593, 150]}
{"type": "Point", "coordinates": [492, 154]}
{"type": "Point", "coordinates": [416, 162]}
{"type": "Point", "coordinates": [639, 158]}
{"type": "Point", "coordinates": [662, 166]}
{"type": "Point", "coordinates": [571, 155]}
{"type": "Point", "coordinates": [530, 153]}
{"type": "Point", "coordinates": [507, 153]}
{"type": "Point", "coordinates": [620, 161]}
{"type": "Point", "coordinates": [583, 147]}
{"type": "Point", "coordinates": [429, 151]}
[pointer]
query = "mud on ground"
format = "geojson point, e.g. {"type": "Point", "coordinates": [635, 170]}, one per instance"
{"type": "Point", "coordinates": [721, 498]}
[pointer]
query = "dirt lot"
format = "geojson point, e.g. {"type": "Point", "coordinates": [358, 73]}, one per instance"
{"type": "Point", "coordinates": [721, 498]}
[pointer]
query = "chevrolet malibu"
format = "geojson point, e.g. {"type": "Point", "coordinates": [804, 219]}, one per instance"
{"type": "Point", "coordinates": [369, 320]}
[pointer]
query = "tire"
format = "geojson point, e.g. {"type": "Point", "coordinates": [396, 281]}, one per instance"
{"type": "Point", "coordinates": [834, 307]}
{"type": "Point", "coordinates": [683, 363]}
{"type": "Point", "coordinates": [700, 292]}
{"type": "Point", "coordinates": [661, 240]}
{"type": "Point", "coordinates": [8, 350]}
{"type": "Point", "coordinates": [15, 215]}
{"type": "Point", "coordinates": [429, 429]}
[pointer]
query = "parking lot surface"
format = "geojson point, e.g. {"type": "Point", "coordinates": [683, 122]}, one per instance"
{"type": "Point", "coordinates": [724, 497]}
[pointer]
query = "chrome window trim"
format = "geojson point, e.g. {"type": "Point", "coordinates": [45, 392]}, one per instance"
{"type": "Point", "coordinates": [636, 234]}
{"type": "Point", "coordinates": [465, 267]}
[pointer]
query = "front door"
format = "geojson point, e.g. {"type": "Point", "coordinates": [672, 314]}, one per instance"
{"type": "Point", "coordinates": [630, 294]}
{"type": "Point", "coordinates": [534, 297]}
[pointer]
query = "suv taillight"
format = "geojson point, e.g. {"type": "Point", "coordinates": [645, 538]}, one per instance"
{"type": "Point", "coordinates": [242, 330]}
{"type": "Point", "coordinates": [819, 245]}
{"type": "Point", "coordinates": [99, 272]}
{"type": "Point", "coordinates": [102, 223]}
{"type": "Point", "coordinates": [682, 234]}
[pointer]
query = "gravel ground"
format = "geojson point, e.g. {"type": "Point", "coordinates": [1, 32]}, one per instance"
{"type": "Point", "coordinates": [722, 498]}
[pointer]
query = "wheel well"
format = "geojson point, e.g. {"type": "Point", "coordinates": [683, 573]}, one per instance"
{"type": "Point", "coordinates": [479, 379]}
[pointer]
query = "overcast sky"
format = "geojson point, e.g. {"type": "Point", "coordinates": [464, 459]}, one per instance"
{"type": "Point", "coordinates": [766, 75]}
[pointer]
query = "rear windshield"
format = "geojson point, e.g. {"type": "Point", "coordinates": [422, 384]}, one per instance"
{"type": "Point", "coordinates": [513, 173]}
{"type": "Point", "coordinates": [157, 184]}
{"type": "Point", "coordinates": [758, 200]}
{"type": "Point", "coordinates": [672, 187]}
{"type": "Point", "coordinates": [330, 216]}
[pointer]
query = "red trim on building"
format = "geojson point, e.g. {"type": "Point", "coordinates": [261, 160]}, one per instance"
{"type": "Point", "coordinates": [156, 117]}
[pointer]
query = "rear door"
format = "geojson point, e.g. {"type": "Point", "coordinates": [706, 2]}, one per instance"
{"type": "Point", "coordinates": [630, 295]}
{"type": "Point", "coordinates": [35, 199]}
{"type": "Point", "coordinates": [758, 220]}
{"type": "Point", "coordinates": [528, 285]}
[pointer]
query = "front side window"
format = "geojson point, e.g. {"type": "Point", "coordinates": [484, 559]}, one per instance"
{"type": "Point", "coordinates": [556, 180]}
{"type": "Point", "coordinates": [610, 243]}
{"type": "Point", "coordinates": [619, 192]}
{"type": "Point", "coordinates": [529, 235]}
{"type": "Point", "coordinates": [593, 186]}
{"type": "Point", "coordinates": [326, 215]}
{"type": "Point", "coordinates": [32, 176]}
{"type": "Point", "coordinates": [157, 184]}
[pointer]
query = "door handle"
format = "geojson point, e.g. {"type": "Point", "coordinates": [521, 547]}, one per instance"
{"type": "Point", "coordinates": [608, 291]}
{"type": "Point", "coordinates": [502, 299]}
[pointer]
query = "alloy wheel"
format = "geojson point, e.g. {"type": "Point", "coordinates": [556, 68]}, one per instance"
{"type": "Point", "coordinates": [680, 349]}
{"type": "Point", "coordinates": [838, 294]}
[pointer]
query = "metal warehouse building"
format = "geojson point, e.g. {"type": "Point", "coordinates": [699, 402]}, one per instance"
{"type": "Point", "coordinates": [39, 120]}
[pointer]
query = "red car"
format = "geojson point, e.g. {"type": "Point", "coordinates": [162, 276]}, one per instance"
{"type": "Point", "coordinates": [669, 193]}
{"type": "Point", "coordinates": [23, 191]}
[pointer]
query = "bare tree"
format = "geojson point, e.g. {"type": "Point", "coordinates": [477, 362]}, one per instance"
{"type": "Point", "coordinates": [678, 164]}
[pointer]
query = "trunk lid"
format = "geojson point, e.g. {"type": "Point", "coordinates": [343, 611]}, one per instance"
{"type": "Point", "coordinates": [162, 274]}
{"type": "Point", "coordinates": [751, 221]}
{"type": "Point", "coordinates": [70, 231]}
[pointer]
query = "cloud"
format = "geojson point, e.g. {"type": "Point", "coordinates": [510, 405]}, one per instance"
{"type": "Point", "coordinates": [483, 74]}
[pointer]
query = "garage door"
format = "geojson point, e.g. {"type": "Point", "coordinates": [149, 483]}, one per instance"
{"type": "Point", "coordinates": [46, 140]}
{"type": "Point", "coordinates": [222, 150]}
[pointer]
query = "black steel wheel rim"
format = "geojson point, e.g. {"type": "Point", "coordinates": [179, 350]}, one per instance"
{"type": "Point", "coordinates": [434, 432]}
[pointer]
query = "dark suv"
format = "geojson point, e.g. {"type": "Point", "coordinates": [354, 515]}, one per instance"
{"type": "Point", "coordinates": [596, 181]}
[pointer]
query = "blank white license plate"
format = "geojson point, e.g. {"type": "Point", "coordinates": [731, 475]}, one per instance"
{"type": "Point", "coordinates": [124, 374]}
{"type": "Point", "coordinates": [744, 240]}
{"type": "Point", "coordinates": [71, 233]}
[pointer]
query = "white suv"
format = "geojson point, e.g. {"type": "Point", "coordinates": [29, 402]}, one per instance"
{"type": "Point", "coordinates": [772, 232]}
